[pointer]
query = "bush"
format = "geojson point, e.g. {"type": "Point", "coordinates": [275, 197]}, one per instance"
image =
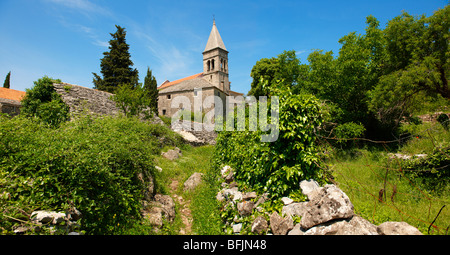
{"type": "Point", "coordinates": [345, 133]}
{"type": "Point", "coordinates": [276, 167]}
{"type": "Point", "coordinates": [42, 102]}
{"type": "Point", "coordinates": [433, 172]}
{"type": "Point", "coordinates": [90, 164]}
{"type": "Point", "coordinates": [133, 101]}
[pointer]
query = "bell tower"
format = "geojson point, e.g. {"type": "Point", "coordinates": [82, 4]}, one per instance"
{"type": "Point", "coordinates": [215, 61]}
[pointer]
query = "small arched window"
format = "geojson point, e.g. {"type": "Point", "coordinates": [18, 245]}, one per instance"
{"type": "Point", "coordinates": [212, 64]}
{"type": "Point", "coordinates": [208, 63]}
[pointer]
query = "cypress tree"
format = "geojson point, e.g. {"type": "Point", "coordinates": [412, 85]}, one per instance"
{"type": "Point", "coordinates": [7, 84]}
{"type": "Point", "coordinates": [116, 65]}
{"type": "Point", "coordinates": [151, 90]}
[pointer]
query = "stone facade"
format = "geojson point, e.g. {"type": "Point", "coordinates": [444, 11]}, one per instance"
{"type": "Point", "coordinates": [10, 101]}
{"type": "Point", "coordinates": [10, 107]}
{"type": "Point", "coordinates": [165, 100]}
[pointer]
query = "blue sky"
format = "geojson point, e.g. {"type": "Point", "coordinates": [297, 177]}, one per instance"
{"type": "Point", "coordinates": [65, 39]}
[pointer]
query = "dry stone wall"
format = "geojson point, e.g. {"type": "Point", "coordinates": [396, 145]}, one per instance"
{"type": "Point", "coordinates": [328, 211]}
{"type": "Point", "coordinates": [80, 98]}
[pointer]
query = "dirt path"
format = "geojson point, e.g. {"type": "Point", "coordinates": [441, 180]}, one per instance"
{"type": "Point", "coordinates": [185, 212]}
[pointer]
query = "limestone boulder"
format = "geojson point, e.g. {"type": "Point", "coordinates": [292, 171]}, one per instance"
{"type": "Point", "coordinates": [309, 188]}
{"type": "Point", "coordinates": [353, 226]}
{"type": "Point", "coordinates": [397, 228]}
{"type": "Point", "coordinates": [280, 225]}
{"type": "Point", "coordinates": [45, 217]}
{"type": "Point", "coordinates": [245, 208]}
{"type": "Point", "coordinates": [259, 225]}
{"type": "Point", "coordinates": [166, 204]}
{"type": "Point", "coordinates": [229, 194]}
{"type": "Point", "coordinates": [294, 209]}
{"type": "Point", "coordinates": [193, 181]}
{"type": "Point", "coordinates": [172, 154]}
{"type": "Point", "coordinates": [328, 204]}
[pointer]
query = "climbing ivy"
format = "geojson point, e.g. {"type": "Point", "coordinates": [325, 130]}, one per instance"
{"type": "Point", "coordinates": [276, 167]}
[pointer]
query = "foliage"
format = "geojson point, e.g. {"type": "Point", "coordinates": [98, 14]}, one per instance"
{"type": "Point", "coordinates": [133, 101]}
{"type": "Point", "coordinates": [433, 172]}
{"type": "Point", "coordinates": [42, 102]}
{"type": "Point", "coordinates": [347, 131]}
{"type": "Point", "coordinates": [6, 83]}
{"type": "Point", "coordinates": [276, 167]}
{"type": "Point", "coordinates": [284, 67]}
{"type": "Point", "coordinates": [377, 78]}
{"type": "Point", "coordinates": [444, 120]}
{"type": "Point", "coordinates": [151, 90]}
{"type": "Point", "coordinates": [116, 65]}
{"type": "Point", "coordinates": [90, 164]}
{"type": "Point", "coordinates": [416, 64]}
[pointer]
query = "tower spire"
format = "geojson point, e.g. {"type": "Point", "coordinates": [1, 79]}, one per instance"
{"type": "Point", "coordinates": [214, 40]}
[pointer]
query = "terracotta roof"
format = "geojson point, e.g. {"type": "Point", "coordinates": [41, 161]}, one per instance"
{"type": "Point", "coordinates": [167, 84]}
{"type": "Point", "coordinates": [11, 94]}
{"type": "Point", "coordinates": [186, 85]}
{"type": "Point", "coordinates": [234, 93]}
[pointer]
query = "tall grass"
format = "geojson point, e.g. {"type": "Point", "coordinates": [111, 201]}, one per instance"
{"type": "Point", "coordinates": [381, 190]}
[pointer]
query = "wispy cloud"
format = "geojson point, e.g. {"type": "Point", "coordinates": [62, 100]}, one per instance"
{"type": "Point", "coordinates": [173, 62]}
{"type": "Point", "coordinates": [90, 32]}
{"type": "Point", "coordinates": [83, 6]}
{"type": "Point", "coordinates": [87, 31]}
{"type": "Point", "coordinates": [75, 8]}
{"type": "Point", "coordinates": [299, 52]}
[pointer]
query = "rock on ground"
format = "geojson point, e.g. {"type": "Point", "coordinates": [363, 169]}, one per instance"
{"type": "Point", "coordinates": [330, 203]}
{"type": "Point", "coordinates": [161, 206]}
{"type": "Point", "coordinates": [193, 181]}
{"type": "Point", "coordinates": [353, 226]}
{"type": "Point", "coordinates": [245, 208]}
{"type": "Point", "coordinates": [279, 225]}
{"type": "Point", "coordinates": [259, 225]}
{"type": "Point", "coordinates": [45, 217]}
{"type": "Point", "coordinates": [172, 154]}
{"type": "Point", "coordinates": [397, 228]}
{"type": "Point", "coordinates": [309, 188]}
{"type": "Point", "coordinates": [294, 209]}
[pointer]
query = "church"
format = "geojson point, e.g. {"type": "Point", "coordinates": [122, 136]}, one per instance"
{"type": "Point", "coordinates": [213, 81]}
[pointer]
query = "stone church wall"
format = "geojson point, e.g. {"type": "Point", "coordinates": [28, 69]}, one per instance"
{"type": "Point", "coordinates": [164, 104]}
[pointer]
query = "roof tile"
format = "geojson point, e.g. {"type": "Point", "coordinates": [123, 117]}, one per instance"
{"type": "Point", "coordinates": [12, 94]}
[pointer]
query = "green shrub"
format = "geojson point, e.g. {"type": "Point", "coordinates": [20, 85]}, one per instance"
{"type": "Point", "coordinates": [431, 172]}
{"type": "Point", "coordinates": [345, 133]}
{"type": "Point", "coordinates": [276, 167]}
{"type": "Point", "coordinates": [91, 164]}
{"type": "Point", "coordinates": [444, 120]}
{"type": "Point", "coordinates": [133, 101]}
{"type": "Point", "coordinates": [42, 102]}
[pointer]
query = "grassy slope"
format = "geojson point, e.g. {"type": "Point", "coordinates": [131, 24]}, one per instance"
{"type": "Point", "coordinates": [362, 175]}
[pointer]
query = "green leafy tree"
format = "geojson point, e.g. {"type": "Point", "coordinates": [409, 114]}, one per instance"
{"type": "Point", "coordinates": [151, 89]}
{"type": "Point", "coordinates": [276, 167]}
{"type": "Point", "coordinates": [6, 84]}
{"type": "Point", "coordinates": [132, 101]}
{"type": "Point", "coordinates": [285, 66]}
{"type": "Point", "coordinates": [116, 65]}
{"type": "Point", "coordinates": [417, 66]}
{"type": "Point", "coordinates": [42, 102]}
